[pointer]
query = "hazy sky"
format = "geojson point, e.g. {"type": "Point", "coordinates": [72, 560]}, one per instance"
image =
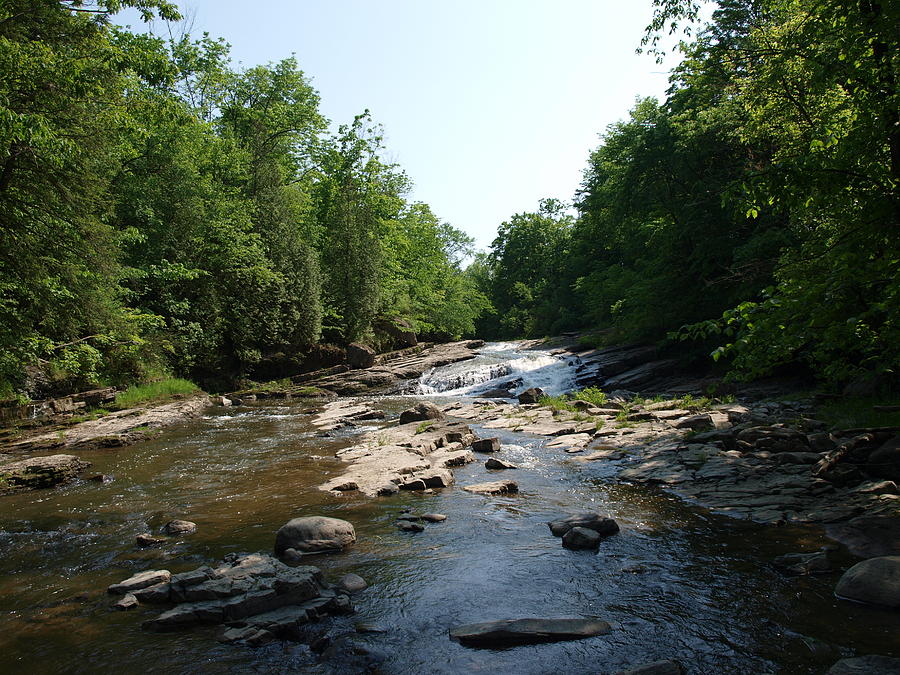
{"type": "Point", "coordinates": [488, 105]}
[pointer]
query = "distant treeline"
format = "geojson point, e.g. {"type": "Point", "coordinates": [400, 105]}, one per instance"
{"type": "Point", "coordinates": [755, 213]}
{"type": "Point", "coordinates": [163, 212]}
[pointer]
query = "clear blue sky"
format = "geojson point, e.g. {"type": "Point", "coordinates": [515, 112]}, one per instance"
{"type": "Point", "coordinates": [488, 105]}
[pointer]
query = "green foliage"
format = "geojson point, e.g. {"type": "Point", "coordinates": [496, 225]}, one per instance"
{"type": "Point", "coordinates": [592, 395]}
{"type": "Point", "coordinates": [154, 391]}
{"type": "Point", "coordinates": [163, 211]}
{"type": "Point", "coordinates": [422, 427]}
{"type": "Point", "coordinates": [850, 413]}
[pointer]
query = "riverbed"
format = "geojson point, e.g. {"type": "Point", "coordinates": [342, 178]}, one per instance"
{"type": "Point", "coordinates": [676, 583]}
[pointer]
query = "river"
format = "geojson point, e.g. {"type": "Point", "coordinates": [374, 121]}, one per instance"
{"type": "Point", "coordinates": [676, 583]}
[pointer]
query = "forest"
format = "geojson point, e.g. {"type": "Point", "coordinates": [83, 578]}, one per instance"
{"type": "Point", "coordinates": [164, 213]}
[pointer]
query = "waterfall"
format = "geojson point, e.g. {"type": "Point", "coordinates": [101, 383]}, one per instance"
{"type": "Point", "coordinates": [502, 370]}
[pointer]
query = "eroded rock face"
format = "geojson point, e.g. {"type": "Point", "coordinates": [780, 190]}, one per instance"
{"type": "Point", "coordinates": [314, 534]}
{"type": "Point", "coordinates": [875, 581]}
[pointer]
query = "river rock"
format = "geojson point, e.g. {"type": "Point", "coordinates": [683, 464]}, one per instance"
{"type": "Point", "coordinates": [874, 581]}
{"type": "Point", "coordinates": [803, 563]}
{"type": "Point", "coordinates": [314, 534]}
{"type": "Point", "coordinates": [869, 536]}
{"type": "Point", "coordinates": [527, 631]}
{"type": "Point", "coordinates": [421, 412]}
{"type": "Point", "coordinates": [126, 602]}
{"type": "Point", "coordinates": [176, 527]}
{"type": "Point", "coordinates": [139, 581]}
{"type": "Point", "coordinates": [434, 517]}
{"type": "Point", "coordinates": [250, 589]}
{"type": "Point", "coordinates": [352, 583]}
{"type": "Point", "coordinates": [486, 445]}
{"type": "Point", "coordinates": [885, 461]}
{"type": "Point", "coordinates": [146, 540]}
{"type": "Point", "coordinates": [406, 526]}
{"type": "Point", "coordinates": [593, 521]}
{"type": "Point", "coordinates": [494, 463]}
{"type": "Point", "coordinates": [532, 395]}
{"type": "Point", "coordinates": [580, 538]}
{"type": "Point", "coordinates": [500, 487]}
{"type": "Point", "coordinates": [655, 668]}
{"type": "Point", "coordinates": [40, 472]}
{"type": "Point", "coordinates": [866, 665]}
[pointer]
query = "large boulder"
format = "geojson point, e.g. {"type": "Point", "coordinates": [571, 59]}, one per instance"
{"type": "Point", "coordinates": [593, 521]}
{"type": "Point", "coordinates": [314, 534]}
{"type": "Point", "coordinates": [885, 461]}
{"type": "Point", "coordinates": [875, 581]}
{"type": "Point", "coordinates": [581, 538]}
{"type": "Point", "coordinates": [421, 412]}
{"type": "Point", "coordinates": [532, 395]}
{"type": "Point", "coordinates": [360, 356]}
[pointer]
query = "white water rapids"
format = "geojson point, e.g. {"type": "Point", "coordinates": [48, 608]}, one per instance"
{"type": "Point", "coordinates": [503, 370]}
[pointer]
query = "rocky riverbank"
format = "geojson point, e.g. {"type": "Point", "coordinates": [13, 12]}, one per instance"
{"type": "Point", "coordinates": [767, 462]}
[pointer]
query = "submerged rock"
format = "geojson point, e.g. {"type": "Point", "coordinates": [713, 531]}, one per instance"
{"type": "Point", "coordinates": [655, 668]}
{"type": "Point", "coordinates": [176, 527]}
{"type": "Point", "coordinates": [875, 581]}
{"type": "Point", "coordinates": [527, 631]}
{"type": "Point", "coordinates": [406, 526]}
{"type": "Point", "coordinates": [352, 583]}
{"type": "Point", "coordinates": [500, 487]}
{"type": "Point", "coordinates": [802, 563]}
{"type": "Point", "coordinates": [314, 534]}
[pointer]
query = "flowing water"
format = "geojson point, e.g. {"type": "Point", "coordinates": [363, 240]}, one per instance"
{"type": "Point", "coordinates": [677, 582]}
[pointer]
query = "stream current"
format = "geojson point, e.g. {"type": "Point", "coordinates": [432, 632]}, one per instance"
{"type": "Point", "coordinates": [676, 583]}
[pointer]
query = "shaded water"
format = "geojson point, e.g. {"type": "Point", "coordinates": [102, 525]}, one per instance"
{"type": "Point", "coordinates": [675, 583]}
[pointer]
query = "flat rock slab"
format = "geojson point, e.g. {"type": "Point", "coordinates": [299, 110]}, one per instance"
{"type": "Point", "coordinates": [500, 487]}
{"type": "Point", "coordinates": [527, 631]}
{"type": "Point", "coordinates": [40, 472]}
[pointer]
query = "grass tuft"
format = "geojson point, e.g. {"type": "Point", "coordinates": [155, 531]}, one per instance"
{"type": "Point", "coordinates": [154, 391]}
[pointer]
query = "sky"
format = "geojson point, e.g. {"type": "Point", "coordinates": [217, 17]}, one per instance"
{"type": "Point", "coordinates": [488, 105]}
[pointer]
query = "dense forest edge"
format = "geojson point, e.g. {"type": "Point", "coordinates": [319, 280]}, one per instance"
{"type": "Point", "coordinates": [167, 215]}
